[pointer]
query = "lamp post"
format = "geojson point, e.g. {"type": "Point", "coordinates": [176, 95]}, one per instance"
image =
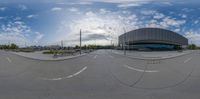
{"type": "Point", "coordinates": [62, 47]}
{"type": "Point", "coordinates": [111, 41]}
{"type": "Point", "coordinates": [80, 41]}
{"type": "Point", "coordinates": [124, 40]}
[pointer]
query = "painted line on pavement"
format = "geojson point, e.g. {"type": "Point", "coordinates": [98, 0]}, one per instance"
{"type": "Point", "coordinates": [70, 76]}
{"type": "Point", "coordinates": [9, 60]}
{"type": "Point", "coordinates": [140, 70]}
{"type": "Point", "coordinates": [95, 56]}
{"type": "Point", "coordinates": [187, 60]}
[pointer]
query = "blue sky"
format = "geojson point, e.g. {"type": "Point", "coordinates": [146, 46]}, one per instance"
{"type": "Point", "coordinates": [47, 22]}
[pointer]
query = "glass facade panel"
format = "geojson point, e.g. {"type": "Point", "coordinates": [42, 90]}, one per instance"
{"type": "Point", "coordinates": [166, 39]}
{"type": "Point", "coordinates": [155, 46]}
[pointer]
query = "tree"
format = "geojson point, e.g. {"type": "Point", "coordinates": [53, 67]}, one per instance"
{"type": "Point", "coordinates": [84, 47]}
{"type": "Point", "coordinates": [4, 46]}
{"type": "Point", "coordinates": [192, 46]}
{"type": "Point", "coordinates": [76, 47]}
{"type": "Point", "coordinates": [92, 46]}
{"type": "Point", "coordinates": [13, 46]}
{"type": "Point", "coordinates": [177, 47]}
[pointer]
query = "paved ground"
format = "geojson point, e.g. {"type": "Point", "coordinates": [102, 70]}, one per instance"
{"type": "Point", "coordinates": [38, 55]}
{"type": "Point", "coordinates": [154, 55]}
{"type": "Point", "coordinates": [100, 75]}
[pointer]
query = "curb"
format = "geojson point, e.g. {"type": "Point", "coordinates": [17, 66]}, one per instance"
{"type": "Point", "coordinates": [152, 58]}
{"type": "Point", "coordinates": [48, 59]}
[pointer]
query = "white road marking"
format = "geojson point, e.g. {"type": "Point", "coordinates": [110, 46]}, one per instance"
{"type": "Point", "coordinates": [187, 60]}
{"type": "Point", "coordinates": [140, 70]}
{"type": "Point", "coordinates": [70, 76]}
{"type": "Point", "coordinates": [95, 56]}
{"type": "Point", "coordinates": [51, 79]}
{"type": "Point", "coordinates": [9, 60]}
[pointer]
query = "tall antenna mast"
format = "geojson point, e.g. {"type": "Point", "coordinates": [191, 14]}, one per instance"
{"type": "Point", "coordinates": [80, 40]}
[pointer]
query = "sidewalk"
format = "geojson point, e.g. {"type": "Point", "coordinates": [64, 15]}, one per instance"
{"type": "Point", "coordinates": [151, 55]}
{"type": "Point", "coordinates": [45, 57]}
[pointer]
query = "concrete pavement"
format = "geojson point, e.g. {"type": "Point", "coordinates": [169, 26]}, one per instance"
{"type": "Point", "coordinates": [152, 55]}
{"type": "Point", "coordinates": [46, 57]}
{"type": "Point", "coordinates": [100, 75]}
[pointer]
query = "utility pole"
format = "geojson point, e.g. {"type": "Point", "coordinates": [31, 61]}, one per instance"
{"type": "Point", "coordinates": [127, 38]}
{"type": "Point", "coordinates": [80, 41]}
{"type": "Point", "coordinates": [62, 44]}
{"type": "Point", "coordinates": [25, 44]}
{"type": "Point", "coordinates": [124, 39]}
{"type": "Point", "coordinates": [9, 42]}
{"type": "Point", "coordinates": [111, 45]}
{"type": "Point", "coordinates": [111, 41]}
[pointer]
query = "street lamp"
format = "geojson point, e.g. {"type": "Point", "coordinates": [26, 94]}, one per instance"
{"type": "Point", "coordinates": [80, 41]}
{"type": "Point", "coordinates": [124, 40]}
{"type": "Point", "coordinates": [111, 38]}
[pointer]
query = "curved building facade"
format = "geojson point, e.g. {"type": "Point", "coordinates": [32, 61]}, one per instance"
{"type": "Point", "coordinates": [152, 39]}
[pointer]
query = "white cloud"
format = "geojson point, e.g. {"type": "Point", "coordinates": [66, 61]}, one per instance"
{"type": "Point", "coordinates": [120, 1]}
{"type": "Point", "coordinates": [126, 5]}
{"type": "Point", "coordinates": [85, 3]}
{"type": "Point", "coordinates": [167, 3]}
{"type": "Point", "coordinates": [19, 33]}
{"type": "Point", "coordinates": [38, 37]}
{"type": "Point", "coordinates": [177, 30]}
{"type": "Point", "coordinates": [193, 37]}
{"type": "Point", "coordinates": [97, 27]}
{"type": "Point", "coordinates": [187, 10]}
{"type": "Point", "coordinates": [148, 12]}
{"type": "Point", "coordinates": [90, 14]}
{"type": "Point", "coordinates": [158, 16]}
{"type": "Point", "coordinates": [2, 18]}
{"type": "Point", "coordinates": [153, 23]}
{"type": "Point", "coordinates": [14, 32]}
{"type": "Point", "coordinates": [154, 13]}
{"type": "Point", "coordinates": [104, 23]}
{"type": "Point", "coordinates": [73, 9]}
{"type": "Point", "coordinates": [167, 22]}
{"type": "Point", "coordinates": [126, 12]}
{"type": "Point", "coordinates": [32, 16]}
{"type": "Point", "coordinates": [18, 27]}
{"type": "Point", "coordinates": [162, 21]}
{"type": "Point", "coordinates": [196, 22]}
{"type": "Point", "coordinates": [22, 7]}
{"type": "Point", "coordinates": [103, 11]}
{"type": "Point", "coordinates": [17, 18]}
{"type": "Point", "coordinates": [2, 8]}
{"type": "Point", "coordinates": [130, 3]}
{"type": "Point", "coordinates": [56, 9]}
{"type": "Point", "coordinates": [81, 3]}
{"type": "Point", "coordinates": [184, 16]}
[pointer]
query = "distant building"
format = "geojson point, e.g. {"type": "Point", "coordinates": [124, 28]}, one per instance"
{"type": "Point", "coordinates": [152, 39]}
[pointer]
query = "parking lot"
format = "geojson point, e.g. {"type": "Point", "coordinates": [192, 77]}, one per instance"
{"type": "Point", "coordinates": [101, 74]}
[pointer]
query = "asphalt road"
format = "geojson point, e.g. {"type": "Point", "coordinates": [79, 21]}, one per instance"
{"type": "Point", "coordinates": [100, 75]}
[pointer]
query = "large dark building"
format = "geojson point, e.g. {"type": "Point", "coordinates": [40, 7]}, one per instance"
{"type": "Point", "coordinates": [152, 39]}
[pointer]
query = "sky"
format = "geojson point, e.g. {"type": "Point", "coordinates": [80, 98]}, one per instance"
{"type": "Point", "coordinates": [48, 22]}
